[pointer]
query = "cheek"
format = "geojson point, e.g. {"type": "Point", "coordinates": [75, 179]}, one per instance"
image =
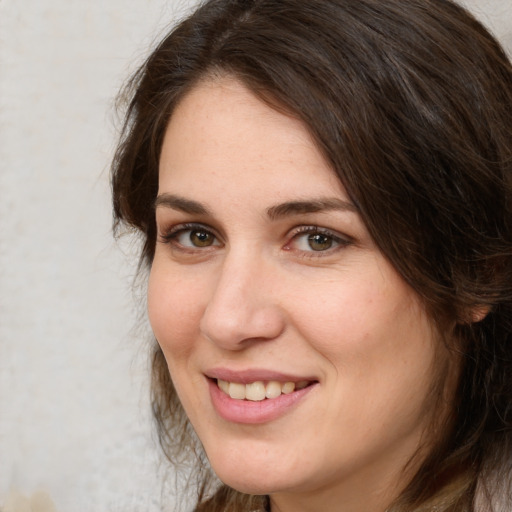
{"type": "Point", "coordinates": [372, 330]}
{"type": "Point", "coordinates": [174, 310]}
{"type": "Point", "coordinates": [345, 316]}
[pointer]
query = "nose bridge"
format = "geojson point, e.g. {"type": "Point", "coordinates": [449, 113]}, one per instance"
{"type": "Point", "coordinates": [242, 305]}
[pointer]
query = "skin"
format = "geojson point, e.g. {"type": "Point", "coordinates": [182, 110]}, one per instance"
{"type": "Point", "coordinates": [257, 295]}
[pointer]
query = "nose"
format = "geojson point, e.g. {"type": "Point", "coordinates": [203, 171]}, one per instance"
{"type": "Point", "coordinates": [243, 307]}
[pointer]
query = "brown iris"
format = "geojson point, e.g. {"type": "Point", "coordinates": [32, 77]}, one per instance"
{"type": "Point", "coordinates": [319, 242]}
{"type": "Point", "coordinates": [201, 238]}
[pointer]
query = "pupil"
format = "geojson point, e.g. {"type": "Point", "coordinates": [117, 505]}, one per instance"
{"type": "Point", "coordinates": [319, 242]}
{"type": "Point", "coordinates": [200, 238]}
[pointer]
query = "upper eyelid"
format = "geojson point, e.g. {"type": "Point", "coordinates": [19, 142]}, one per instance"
{"type": "Point", "coordinates": [341, 241]}
{"type": "Point", "coordinates": [171, 238]}
{"type": "Point", "coordinates": [306, 229]}
{"type": "Point", "coordinates": [187, 226]}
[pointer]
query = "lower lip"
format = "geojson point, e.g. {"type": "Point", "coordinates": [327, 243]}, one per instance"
{"type": "Point", "coordinates": [249, 412]}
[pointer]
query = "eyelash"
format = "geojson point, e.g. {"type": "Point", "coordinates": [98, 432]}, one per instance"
{"type": "Point", "coordinates": [172, 235]}
{"type": "Point", "coordinates": [340, 241]}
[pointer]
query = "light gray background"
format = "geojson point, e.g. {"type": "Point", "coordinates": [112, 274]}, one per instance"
{"type": "Point", "coordinates": [74, 414]}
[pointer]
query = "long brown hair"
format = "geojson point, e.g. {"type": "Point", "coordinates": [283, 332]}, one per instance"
{"type": "Point", "coordinates": [410, 101]}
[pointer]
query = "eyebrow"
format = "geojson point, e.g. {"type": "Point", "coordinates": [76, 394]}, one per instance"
{"type": "Point", "coordinates": [278, 211]}
{"type": "Point", "coordinates": [309, 206]}
{"type": "Point", "coordinates": [181, 204]}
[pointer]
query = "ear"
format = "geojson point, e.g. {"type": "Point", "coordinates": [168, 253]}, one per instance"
{"type": "Point", "coordinates": [478, 313]}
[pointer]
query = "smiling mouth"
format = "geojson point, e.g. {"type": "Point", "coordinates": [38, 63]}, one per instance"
{"type": "Point", "coordinates": [259, 390]}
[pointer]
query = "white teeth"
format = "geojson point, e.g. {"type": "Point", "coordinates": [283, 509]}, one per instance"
{"type": "Point", "coordinates": [255, 391]}
{"type": "Point", "coordinates": [258, 391]}
{"type": "Point", "coordinates": [288, 387]}
{"type": "Point", "coordinates": [273, 389]}
{"type": "Point", "coordinates": [224, 385]}
{"type": "Point", "coordinates": [237, 390]}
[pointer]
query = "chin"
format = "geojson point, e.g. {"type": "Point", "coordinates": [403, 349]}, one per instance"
{"type": "Point", "coordinates": [250, 484]}
{"type": "Point", "coordinates": [257, 479]}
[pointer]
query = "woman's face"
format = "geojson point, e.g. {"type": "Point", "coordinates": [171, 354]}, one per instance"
{"type": "Point", "coordinates": [265, 282]}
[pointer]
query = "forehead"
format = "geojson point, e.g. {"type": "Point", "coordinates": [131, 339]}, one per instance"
{"type": "Point", "coordinates": [222, 132]}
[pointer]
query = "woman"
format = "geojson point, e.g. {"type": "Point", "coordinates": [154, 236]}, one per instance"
{"type": "Point", "coordinates": [323, 189]}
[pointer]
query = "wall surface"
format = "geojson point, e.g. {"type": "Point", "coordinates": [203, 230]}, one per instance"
{"type": "Point", "coordinates": [74, 414]}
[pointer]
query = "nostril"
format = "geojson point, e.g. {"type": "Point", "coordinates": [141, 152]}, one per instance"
{"type": "Point", "coordinates": [235, 327]}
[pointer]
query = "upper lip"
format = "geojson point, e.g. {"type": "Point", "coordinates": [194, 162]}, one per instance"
{"type": "Point", "coordinates": [253, 375]}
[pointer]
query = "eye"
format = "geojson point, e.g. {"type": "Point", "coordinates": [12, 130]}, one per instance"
{"type": "Point", "coordinates": [191, 237]}
{"type": "Point", "coordinates": [197, 238]}
{"type": "Point", "coordinates": [316, 239]}
{"type": "Point", "coordinates": [320, 242]}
